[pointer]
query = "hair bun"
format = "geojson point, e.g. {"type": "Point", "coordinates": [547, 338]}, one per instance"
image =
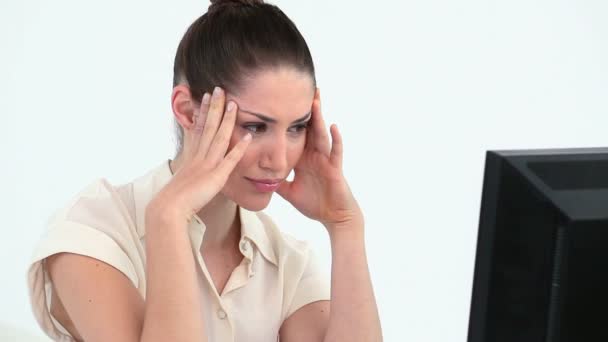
{"type": "Point", "coordinates": [220, 3]}
{"type": "Point", "coordinates": [244, 2]}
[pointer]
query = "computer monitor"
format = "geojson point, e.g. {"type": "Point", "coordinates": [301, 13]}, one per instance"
{"type": "Point", "coordinates": [541, 265]}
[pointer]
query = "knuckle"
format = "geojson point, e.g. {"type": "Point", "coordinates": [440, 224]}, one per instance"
{"type": "Point", "coordinates": [214, 107]}
{"type": "Point", "coordinates": [201, 156]}
{"type": "Point", "coordinates": [219, 177]}
{"type": "Point", "coordinates": [212, 125]}
{"type": "Point", "coordinates": [230, 157]}
{"type": "Point", "coordinates": [199, 127]}
{"type": "Point", "coordinates": [207, 165]}
{"type": "Point", "coordinates": [221, 137]}
{"type": "Point", "coordinates": [229, 115]}
{"type": "Point", "coordinates": [217, 105]}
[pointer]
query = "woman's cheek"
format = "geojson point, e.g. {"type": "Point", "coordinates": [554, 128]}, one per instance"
{"type": "Point", "coordinates": [295, 153]}
{"type": "Point", "coordinates": [250, 156]}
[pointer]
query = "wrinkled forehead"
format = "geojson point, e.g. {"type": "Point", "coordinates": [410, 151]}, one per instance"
{"type": "Point", "coordinates": [283, 94]}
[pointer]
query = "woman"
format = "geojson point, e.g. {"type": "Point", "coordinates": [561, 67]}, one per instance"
{"type": "Point", "coordinates": [184, 253]}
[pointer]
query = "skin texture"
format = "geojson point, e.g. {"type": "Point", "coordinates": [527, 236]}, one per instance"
{"type": "Point", "coordinates": [210, 180]}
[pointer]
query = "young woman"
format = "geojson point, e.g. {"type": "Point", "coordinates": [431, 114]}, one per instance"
{"type": "Point", "coordinates": [184, 253]}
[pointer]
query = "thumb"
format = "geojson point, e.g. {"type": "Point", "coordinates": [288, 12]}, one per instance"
{"type": "Point", "coordinates": [284, 190]}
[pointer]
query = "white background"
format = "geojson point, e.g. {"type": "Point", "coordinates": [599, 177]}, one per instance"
{"type": "Point", "coordinates": [420, 89]}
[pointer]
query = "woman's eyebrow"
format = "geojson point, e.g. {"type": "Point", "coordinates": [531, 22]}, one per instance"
{"type": "Point", "coordinates": [271, 120]}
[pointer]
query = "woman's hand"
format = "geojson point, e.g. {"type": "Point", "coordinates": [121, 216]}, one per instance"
{"type": "Point", "coordinates": [319, 189]}
{"type": "Point", "coordinates": [206, 166]}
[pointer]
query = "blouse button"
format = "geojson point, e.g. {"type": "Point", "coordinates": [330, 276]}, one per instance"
{"type": "Point", "coordinates": [245, 245]}
{"type": "Point", "coordinates": [221, 314]}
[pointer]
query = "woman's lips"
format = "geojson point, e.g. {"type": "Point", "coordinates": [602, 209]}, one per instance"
{"type": "Point", "coordinates": [265, 185]}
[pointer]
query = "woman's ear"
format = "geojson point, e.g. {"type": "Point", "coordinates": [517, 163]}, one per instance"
{"type": "Point", "coordinates": [183, 105]}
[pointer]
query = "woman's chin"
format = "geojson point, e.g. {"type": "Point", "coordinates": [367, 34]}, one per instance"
{"type": "Point", "coordinates": [256, 202]}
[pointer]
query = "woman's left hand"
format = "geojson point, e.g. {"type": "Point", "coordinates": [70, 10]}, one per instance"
{"type": "Point", "coordinates": [319, 189]}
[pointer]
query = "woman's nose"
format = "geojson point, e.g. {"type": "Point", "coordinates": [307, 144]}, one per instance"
{"type": "Point", "coordinates": [274, 155]}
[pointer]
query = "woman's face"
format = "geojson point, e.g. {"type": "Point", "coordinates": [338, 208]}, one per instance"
{"type": "Point", "coordinates": [274, 106]}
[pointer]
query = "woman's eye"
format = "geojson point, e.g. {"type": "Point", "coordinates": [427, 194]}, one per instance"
{"type": "Point", "coordinates": [300, 128]}
{"type": "Point", "coordinates": [261, 128]}
{"type": "Point", "coordinates": [256, 128]}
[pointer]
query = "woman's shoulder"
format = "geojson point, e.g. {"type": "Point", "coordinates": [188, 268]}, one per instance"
{"type": "Point", "coordinates": [95, 223]}
{"type": "Point", "coordinates": [119, 205]}
{"type": "Point", "coordinates": [98, 204]}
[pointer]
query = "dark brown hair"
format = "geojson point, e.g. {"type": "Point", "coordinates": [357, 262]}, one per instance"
{"type": "Point", "coordinates": [232, 40]}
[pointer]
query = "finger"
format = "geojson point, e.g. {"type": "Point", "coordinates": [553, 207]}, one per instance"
{"type": "Point", "coordinates": [199, 123]}
{"type": "Point", "coordinates": [229, 162]}
{"type": "Point", "coordinates": [337, 148]}
{"type": "Point", "coordinates": [212, 122]}
{"type": "Point", "coordinates": [320, 139]}
{"type": "Point", "coordinates": [284, 190]}
{"type": "Point", "coordinates": [221, 141]}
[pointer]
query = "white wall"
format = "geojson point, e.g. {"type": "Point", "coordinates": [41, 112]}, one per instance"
{"type": "Point", "coordinates": [420, 89]}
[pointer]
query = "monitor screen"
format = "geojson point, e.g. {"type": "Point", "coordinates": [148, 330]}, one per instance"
{"type": "Point", "coordinates": [541, 265]}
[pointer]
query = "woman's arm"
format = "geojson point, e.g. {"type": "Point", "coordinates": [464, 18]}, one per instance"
{"type": "Point", "coordinates": [103, 305]}
{"type": "Point", "coordinates": [352, 314]}
{"type": "Point", "coordinates": [174, 305]}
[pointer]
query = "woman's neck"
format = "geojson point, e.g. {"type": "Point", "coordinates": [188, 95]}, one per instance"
{"type": "Point", "coordinates": [221, 218]}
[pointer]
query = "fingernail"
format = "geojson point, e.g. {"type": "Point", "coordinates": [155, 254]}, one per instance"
{"type": "Point", "coordinates": [206, 98]}
{"type": "Point", "coordinates": [217, 91]}
{"type": "Point", "coordinates": [230, 106]}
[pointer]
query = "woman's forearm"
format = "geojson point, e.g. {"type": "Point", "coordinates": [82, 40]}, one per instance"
{"type": "Point", "coordinates": [353, 314]}
{"type": "Point", "coordinates": [173, 309]}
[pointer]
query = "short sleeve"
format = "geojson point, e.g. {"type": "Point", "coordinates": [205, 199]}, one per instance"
{"type": "Point", "coordinates": [93, 226]}
{"type": "Point", "coordinates": [314, 284]}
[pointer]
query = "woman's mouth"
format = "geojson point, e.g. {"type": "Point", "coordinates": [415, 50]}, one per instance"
{"type": "Point", "coordinates": [265, 185]}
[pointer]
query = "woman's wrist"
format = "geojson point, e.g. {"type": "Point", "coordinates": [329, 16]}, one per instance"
{"type": "Point", "coordinates": [352, 229]}
{"type": "Point", "coordinates": [159, 214]}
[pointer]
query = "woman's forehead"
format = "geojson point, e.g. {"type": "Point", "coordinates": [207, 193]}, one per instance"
{"type": "Point", "coordinates": [279, 94]}
{"type": "Point", "coordinates": [284, 82]}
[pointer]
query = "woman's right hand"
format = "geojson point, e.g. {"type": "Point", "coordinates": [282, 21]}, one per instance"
{"type": "Point", "coordinates": [205, 165]}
